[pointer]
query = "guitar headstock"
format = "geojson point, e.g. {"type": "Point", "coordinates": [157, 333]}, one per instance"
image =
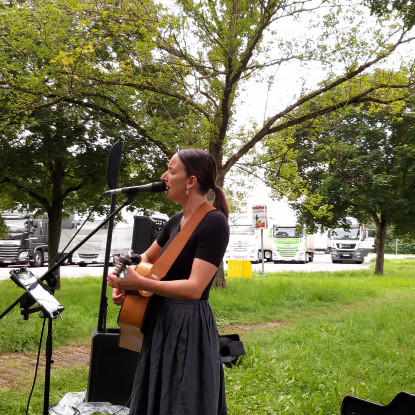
{"type": "Point", "coordinates": [124, 262]}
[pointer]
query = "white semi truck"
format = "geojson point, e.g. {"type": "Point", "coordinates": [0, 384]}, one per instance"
{"type": "Point", "coordinates": [93, 250]}
{"type": "Point", "coordinates": [351, 244]}
{"type": "Point", "coordinates": [292, 244]}
{"type": "Point", "coordinates": [245, 244]}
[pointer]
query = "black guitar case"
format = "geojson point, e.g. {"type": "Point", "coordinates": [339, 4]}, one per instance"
{"type": "Point", "coordinates": [111, 368]}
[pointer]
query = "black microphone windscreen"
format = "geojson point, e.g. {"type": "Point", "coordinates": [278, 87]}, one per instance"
{"type": "Point", "coordinates": [158, 187]}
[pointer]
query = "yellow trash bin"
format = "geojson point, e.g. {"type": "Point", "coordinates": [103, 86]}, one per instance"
{"type": "Point", "coordinates": [239, 269]}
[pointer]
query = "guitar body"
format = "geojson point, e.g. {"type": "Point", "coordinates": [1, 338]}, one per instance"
{"type": "Point", "coordinates": [132, 313]}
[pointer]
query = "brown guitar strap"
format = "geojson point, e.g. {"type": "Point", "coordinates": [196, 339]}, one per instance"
{"type": "Point", "coordinates": [166, 260]}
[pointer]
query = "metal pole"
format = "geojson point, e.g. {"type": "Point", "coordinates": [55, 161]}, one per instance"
{"type": "Point", "coordinates": [262, 251]}
{"type": "Point", "coordinates": [49, 362]}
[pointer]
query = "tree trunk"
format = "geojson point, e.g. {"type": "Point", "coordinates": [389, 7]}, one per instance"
{"type": "Point", "coordinates": [54, 235]}
{"type": "Point", "coordinates": [55, 218]}
{"type": "Point", "coordinates": [219, 281]}
{"type": "Point", "coordinates": [382, 227]}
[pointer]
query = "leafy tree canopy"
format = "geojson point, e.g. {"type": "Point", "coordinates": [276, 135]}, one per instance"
{"type": "Point", "coordinates": [176, 73]}
{"type": "Point", "coordinates": [3, 228]}
{"type": "Point", "coordinates": [57, 164]}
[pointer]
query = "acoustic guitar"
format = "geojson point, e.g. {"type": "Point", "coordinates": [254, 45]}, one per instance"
{"type": "Point", "coordinates": [133, 309]}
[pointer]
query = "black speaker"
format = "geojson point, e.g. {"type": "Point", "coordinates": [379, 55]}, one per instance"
{"type": "Point", "coordinates": [145, 232]}
{"type": "Point", "coordinates": [111, 369]}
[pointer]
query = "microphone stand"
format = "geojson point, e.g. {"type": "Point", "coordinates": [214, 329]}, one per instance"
{"type": "Point", "coordinates": [48, 355]}
{"type": "Point", "coordinates": [103, 304]}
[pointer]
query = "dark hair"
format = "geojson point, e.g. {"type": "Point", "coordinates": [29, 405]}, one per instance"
{"type": "Point", "coordinates": [202, 165]}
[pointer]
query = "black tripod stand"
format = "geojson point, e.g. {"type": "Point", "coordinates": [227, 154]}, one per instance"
{"type": "Point", "coordinates": [48, 356]}
{"type": "Point", "coordinates": [49, 308]}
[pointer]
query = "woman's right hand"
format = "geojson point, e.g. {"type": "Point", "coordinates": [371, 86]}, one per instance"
{"type": "Point", "coordinates": [118, 295]}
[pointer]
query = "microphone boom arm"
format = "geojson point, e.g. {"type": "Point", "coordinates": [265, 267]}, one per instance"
{"type": "Point", "coordinates": [47, 275]}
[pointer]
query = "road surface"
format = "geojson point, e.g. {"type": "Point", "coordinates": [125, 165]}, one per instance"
{"type": "Point", "coordinates": [322, 262]}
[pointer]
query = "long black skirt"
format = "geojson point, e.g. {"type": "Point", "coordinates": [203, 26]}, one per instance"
{"type": "Point", "coordinates": [179, 371]}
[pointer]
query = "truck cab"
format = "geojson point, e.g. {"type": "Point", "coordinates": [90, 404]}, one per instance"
{"type": "Point", "coordinates": [351, 244]}
{"type": "Point", "coordinates": [292, 244]}
{"type": "Point", "coordinates": [245, 244]}
{"type": "Point", "coordinates": [26, 241]}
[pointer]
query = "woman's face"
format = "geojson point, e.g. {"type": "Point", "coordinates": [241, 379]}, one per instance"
{"type": "Point", "coordinates": [176, 179]}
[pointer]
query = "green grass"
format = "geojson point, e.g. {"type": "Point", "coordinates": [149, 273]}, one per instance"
{"type": "Point", "coordinates": [345, 333]}
{"type": "Point", "coordinates": [79, 297]}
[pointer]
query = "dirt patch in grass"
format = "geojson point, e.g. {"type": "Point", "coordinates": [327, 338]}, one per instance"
{"type": "Point", "coordinates": [241, 328]}
{"type": "Point", "coordinates": [18, 369]}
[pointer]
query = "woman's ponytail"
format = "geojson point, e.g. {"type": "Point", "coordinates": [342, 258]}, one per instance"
{"type": "Point", "coordinates": [220, 201]}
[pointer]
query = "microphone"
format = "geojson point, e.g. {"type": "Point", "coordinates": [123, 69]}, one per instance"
{"type": "Point", "coordinates": [134, 190]}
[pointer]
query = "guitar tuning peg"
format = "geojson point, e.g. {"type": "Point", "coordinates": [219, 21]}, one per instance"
{"type": "Point", "coordinates": [120, 266]}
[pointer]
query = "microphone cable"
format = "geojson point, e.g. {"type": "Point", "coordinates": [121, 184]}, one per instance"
{"type": "Point", "coordinates": [37, 365]}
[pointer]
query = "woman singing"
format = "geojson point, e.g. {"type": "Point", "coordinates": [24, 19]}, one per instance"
{"type": "Point", "coordinates": [180, 371]}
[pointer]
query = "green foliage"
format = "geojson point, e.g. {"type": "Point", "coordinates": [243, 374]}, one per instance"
{"type": "Point", "coordinates": [386, 7]}
{"type": "Point", "coordinates": [54, 157]}
{"type": "Point", "coordinates": [98, 59]}
{"type": "Point", "coordinates": [63, 154]}
{"type": "Point", "coordinates": [400, 246]}
{"type": "Point", "coordinates": [370, 163]}
{"type": "Point", "coordinates": [59, 48]}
